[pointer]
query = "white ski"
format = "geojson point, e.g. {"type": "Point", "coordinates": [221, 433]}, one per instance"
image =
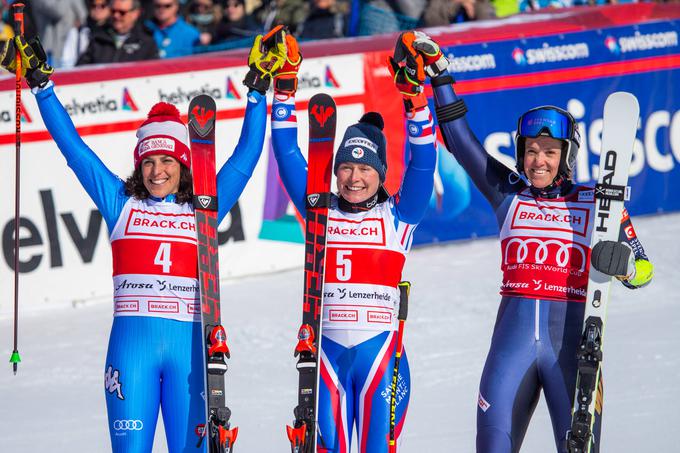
{"type": "Point", "coordinates": [621, 113]}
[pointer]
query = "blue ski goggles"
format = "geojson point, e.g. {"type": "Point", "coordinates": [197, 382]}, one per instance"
{"type": "Point", "coordinates": [555, 122]}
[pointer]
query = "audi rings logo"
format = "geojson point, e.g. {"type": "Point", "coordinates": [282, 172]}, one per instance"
{"type": "Point", "coordinates": [128, 425]}
{"type": "Point", "coordinates": [543, 249]}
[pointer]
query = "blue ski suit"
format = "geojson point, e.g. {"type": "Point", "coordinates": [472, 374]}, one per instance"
{"type": "Point", "coordinates": [365, 253]}
{"type": "Point", "coordinates": [155, 352]}
{"type": "Point", "coordinates": [537, 331]}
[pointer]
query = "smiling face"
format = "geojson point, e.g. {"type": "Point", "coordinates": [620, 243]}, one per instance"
{"type": "Point", "coordinates": [160, 174]}
{"type": "Point", "coordinates": [542, 160]}
{"type": "Point", "coordinates": [357, 182]}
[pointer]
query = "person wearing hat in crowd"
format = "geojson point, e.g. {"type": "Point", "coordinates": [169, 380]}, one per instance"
{"type": "Point", "coordinates": [545, 222]}
{"type": "Point", "coordinates": [155, 351]}
{"type": "Point", "coordinates": [369, 237]}
{"type": "Point", "coordinates": [173, 35]}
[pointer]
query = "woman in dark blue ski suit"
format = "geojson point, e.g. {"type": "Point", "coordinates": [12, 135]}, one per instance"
{"type": "Point", "coordinates": [545, 221]}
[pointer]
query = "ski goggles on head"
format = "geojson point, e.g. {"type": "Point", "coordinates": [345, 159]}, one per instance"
{"type": "Point", "coordinates": [557, 123]}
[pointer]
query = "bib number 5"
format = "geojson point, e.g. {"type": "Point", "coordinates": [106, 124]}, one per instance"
{"type": "Point", "coordinates": [343, 271]}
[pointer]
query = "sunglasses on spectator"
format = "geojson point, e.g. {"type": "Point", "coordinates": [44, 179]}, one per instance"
{"type": "Point", "coordinates": [121, 12]}
{"type": "Point", "coordinates": [99, 6]}
{"type": "Point", "coordinates": [234, 5]}
{"type": "Point", "coordinates": [163, 5]}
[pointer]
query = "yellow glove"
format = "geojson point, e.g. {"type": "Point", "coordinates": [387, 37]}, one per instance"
{"type": "Point", "coordinates": [267, 55]}
{"type": "Point", "coordinates": [34, 65]}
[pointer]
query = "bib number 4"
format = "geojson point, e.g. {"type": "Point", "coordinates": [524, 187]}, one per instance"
{"type": "Point", "coordinates": [163, 257]}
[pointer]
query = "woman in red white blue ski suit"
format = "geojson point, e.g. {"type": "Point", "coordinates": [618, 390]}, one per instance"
{"type": "Point", "coordinates": [155, 352]}
{"type": "Point", "coordinates": [369, 234]}
{"type": "Point", "coordinates": [545, 223]}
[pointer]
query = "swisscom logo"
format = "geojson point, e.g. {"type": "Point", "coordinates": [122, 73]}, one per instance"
{"type": "Point", "coordinates": [641, 41]}
{"type": "Point", "coordinates": [550, 54]}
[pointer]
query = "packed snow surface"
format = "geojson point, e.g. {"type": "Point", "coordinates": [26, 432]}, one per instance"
{"type": "Point", "coordinates": [56, 401]}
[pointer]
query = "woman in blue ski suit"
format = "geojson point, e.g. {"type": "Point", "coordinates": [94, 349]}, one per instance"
{"type": "Point", "coordinates": [155, 352]}
{"type": "Point", "coordinates": [369, 234]}
{"type": "Point", "coordinates": [545, 227]}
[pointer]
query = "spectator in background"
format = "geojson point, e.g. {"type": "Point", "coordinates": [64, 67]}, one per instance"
{"type": "Point", "coordinates": [123, 39]}
{"type": "Point", "coordinates": [6, 32]}
{"type": "Point", "coordinates": [290, 13]}
{"type": "Point", "coordinates": [445, 12]}
{"type": "Point", "coordinates": [324, 21]}
{"type": "Point", "coordinates": [174, 37]}
{"type": "Point", "coordinates": [204, 15]}
{"type": "Point", "coordinates": [235, 23]}
{"type": "Point", "coordinates": [54, 19]}
{"type": "Point", "coordinates": [533, 5]}
{"type": "Point", "coordinates": [78, 38]}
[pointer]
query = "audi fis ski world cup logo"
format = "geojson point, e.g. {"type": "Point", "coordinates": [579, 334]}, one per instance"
{"type": "Point", "coordinates": [322, 113]}
{"type": "Point", "coordinates": [128, 425]}
{"type": "Point", "coordinates": [551, 252]}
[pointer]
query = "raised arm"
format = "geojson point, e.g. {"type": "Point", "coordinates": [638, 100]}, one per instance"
{"type": "Point", "coordinates": [491, 177]}
{"type": "Point", "coordinates": [416, 188]}
{"type": "Point", "coordinates": [235, 173]}
{"type": "Point", "coordinates": [104, 188]}
{"type": "Point", "coordinates": [292, 165]}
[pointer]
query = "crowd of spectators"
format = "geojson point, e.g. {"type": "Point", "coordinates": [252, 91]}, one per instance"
{"type": "Point", "coordinates": [77, 32]}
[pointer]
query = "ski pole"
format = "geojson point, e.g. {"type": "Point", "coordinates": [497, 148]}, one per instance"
{"type": "Point", "coordinates": [404, 291]}
{"type": "Point", "coordinates": [18, 12]}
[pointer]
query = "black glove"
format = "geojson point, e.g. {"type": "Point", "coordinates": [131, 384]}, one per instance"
{"type": "Point", "coordinates": [34, 65]}
{"type": "Point", "coordinates": [613, 258]}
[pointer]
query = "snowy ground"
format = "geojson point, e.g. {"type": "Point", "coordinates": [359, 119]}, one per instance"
{"type": "Point", "coordinates": [56, 402]}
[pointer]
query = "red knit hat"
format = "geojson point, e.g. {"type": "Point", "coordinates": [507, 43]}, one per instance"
{"type": "Point", "coordinates": [163, 132]}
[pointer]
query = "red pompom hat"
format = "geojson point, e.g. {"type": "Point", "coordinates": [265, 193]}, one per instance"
{"type": "Point", "coordinates": [163, 132]}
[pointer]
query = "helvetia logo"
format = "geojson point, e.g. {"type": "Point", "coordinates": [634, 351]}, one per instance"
{"type": "Point", "coordinates": [7, 117]}
{"type": "Point", "coordinates": [101, 104]}
{"type": "Point", "coordinates": [330, 79]}
{"type": "Point", "coordinates": [128, 103]}
{"type": "Point", "coordinates": [230, 91]}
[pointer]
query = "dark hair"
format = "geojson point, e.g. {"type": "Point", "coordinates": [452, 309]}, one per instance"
{"type": "Point", "coordinates": [134, 185]}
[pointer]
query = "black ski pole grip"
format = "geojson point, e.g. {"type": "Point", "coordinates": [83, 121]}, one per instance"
{"type": "Point", "coordinates": [404, 292]}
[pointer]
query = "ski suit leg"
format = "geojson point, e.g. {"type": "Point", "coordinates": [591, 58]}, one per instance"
{"type": "Point", "coordinates": [561, 324]}
{"type": "Point", "coordinates": [132, 377]}
{"type": "Point", "coordinates": [374, 369]}
{"type": "Point", "coordinates": [356, 385]}
{"type": "Point", "coordinates": [336, 402]}
{"type": "Point", "coordinates": [561, 328]}
{"type": "Point", "coordinates": [509, 388]}
{"type": "Point", "coordinates": [182, 386]}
